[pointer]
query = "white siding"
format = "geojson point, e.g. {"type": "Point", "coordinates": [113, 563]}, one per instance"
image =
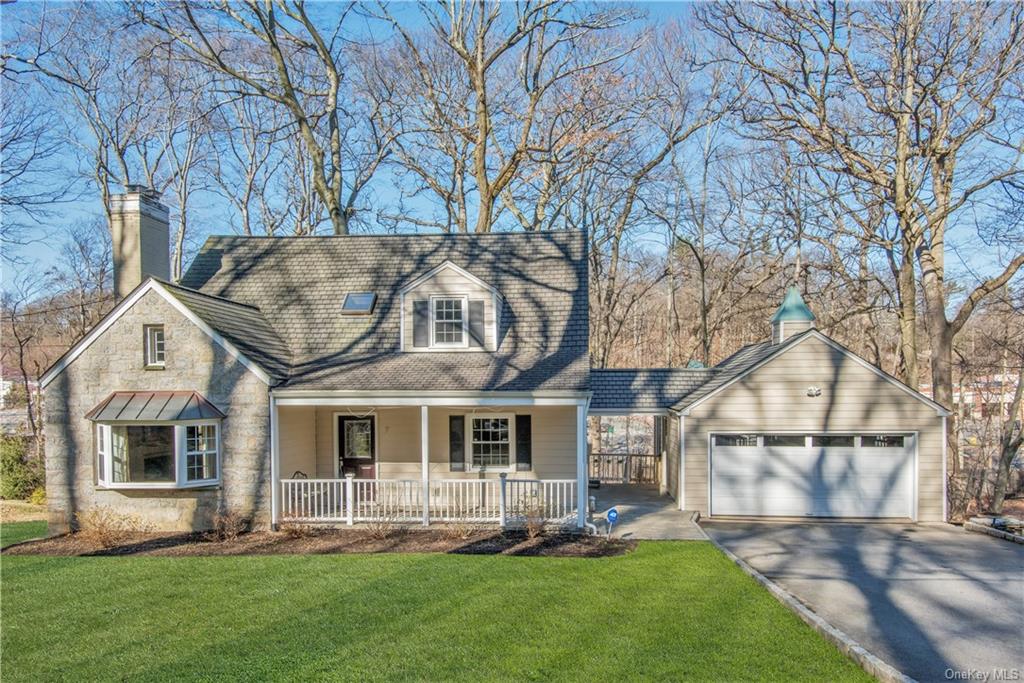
{"type": "Point", "coordinates": [853, 400]}
{"type": "Point", "coordinates": [451, 283]}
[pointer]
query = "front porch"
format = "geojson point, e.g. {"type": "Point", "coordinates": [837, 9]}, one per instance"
{"type": "Point", "coordinates": [339, 461]}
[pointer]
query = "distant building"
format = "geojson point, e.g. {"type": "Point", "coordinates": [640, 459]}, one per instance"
{"type": "Point", "coordinates": [984, 398]}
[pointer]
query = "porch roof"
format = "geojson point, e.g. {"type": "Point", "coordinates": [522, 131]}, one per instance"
{"type": "Point", "coordinates": [643, 389]}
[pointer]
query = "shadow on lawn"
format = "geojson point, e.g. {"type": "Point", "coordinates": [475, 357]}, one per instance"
{"type": "Point", "coordinates": [312, 541]}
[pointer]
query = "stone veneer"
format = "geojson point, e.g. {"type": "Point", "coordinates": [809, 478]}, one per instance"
{"type": "Point", "coordinates": [114, 362]}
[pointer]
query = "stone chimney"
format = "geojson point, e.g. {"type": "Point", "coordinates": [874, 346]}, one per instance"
{"type": "Point", "coordinates": [792, 318]}
{"type": "Point", "coordinates": [141, 236]}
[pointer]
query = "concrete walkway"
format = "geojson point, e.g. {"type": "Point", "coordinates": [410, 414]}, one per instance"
{"type": "Point", "coordinates": [645, 514]}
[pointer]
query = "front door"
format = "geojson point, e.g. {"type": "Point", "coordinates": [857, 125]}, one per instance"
{"type": "Point", "coordinates": [357, 446]}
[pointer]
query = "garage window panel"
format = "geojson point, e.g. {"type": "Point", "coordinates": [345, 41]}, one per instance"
{"type": "Point", "coordinates": [881, 441]}
{"type": "Point", "coordinates": [785, 440]}
{"type": "Point", "coordinates": [748, 440]}
{"type": "Point", "coordinates": [832, 441]}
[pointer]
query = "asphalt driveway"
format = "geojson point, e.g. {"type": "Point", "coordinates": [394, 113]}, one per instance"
{"type": "Point", "coordinates": [932, 600]}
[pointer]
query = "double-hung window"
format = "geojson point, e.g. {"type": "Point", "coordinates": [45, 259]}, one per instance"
{"type": "Point", "coordinates": [200, 452]}
{"type": "Point", "coordinates": [449, 321]}
{"type": "Point", "coordinates": [153, 345]}
{"type": "Point", "coordinates": [490, 443]}
{"type": "Point", "coordinates": [158, 455]}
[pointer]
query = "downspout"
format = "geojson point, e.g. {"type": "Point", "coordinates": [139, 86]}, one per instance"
{"type": "Point", "coordinates": [945, 480]}
{"type": "Point", "coordinates": [682, 462]}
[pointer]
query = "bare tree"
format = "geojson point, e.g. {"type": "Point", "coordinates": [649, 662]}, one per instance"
{"type": "Point", "coordinates": [913, 101]}
{"type": "Point", "coordinates": [32, 176]}
{"type": "Point", "coordinates": [278, 51]}
{"type": "Point", "coordinates": [481, 79]}
{"type": "Point", "coordinates": [612, 197]}
{"type": "Point", "coordinates": [134, 114]}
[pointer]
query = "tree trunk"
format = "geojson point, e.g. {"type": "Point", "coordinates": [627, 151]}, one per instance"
{"type": "Point", "coordinates": [908, 322]}
{"type": "Point", "coordinates": [1013, 438]}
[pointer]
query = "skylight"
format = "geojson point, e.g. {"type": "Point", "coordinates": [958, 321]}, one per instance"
{"type": "Point", "coordinates": [359, 303]}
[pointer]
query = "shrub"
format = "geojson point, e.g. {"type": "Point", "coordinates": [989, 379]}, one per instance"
{"type": "Point", "coordinates": [228, 525]}
{"type": "Point", "coordinates": [381, 528]}
{"type": "Point", "coordinates": [16, 397]}
{"type": "Point", "coordinates": [38, 496]}
{"type": "Point", "coordinates": [535, 519]}
{"type": "Point", "coordinates": [457, 531]}
{"type": "Point", "coordinates": [107, 527]}
{"type": "Point", "coordinates": [297, 530]}
{"type": "Point", "coordinates": [20, 472]}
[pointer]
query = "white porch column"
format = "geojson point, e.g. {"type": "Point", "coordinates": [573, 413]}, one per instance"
{"type": "Point", "coordinates": [275, 466]}
{"type": "Point", "coordinates": [582, 471]}
{"type": "Point", "coordinates": [425, 458]}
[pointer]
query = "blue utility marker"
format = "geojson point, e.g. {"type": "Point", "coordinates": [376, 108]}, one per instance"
{"type": "Point", "coordinates": [613, 515]}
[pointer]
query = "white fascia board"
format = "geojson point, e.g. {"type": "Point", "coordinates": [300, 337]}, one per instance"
{"type": "Point", "coordinates": [624, 412]}
{"type": "Point", "coordinates": [123, 307]}
{"type": "Point", "coordinates": [939, 410]}
{"type": "Point", "coordinates": [377, 398]}
{"type": "Point", "coordinates": [448, 265]}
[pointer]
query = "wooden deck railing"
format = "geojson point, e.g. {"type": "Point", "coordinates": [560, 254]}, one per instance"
{"type": "Point", "coordinates": [496, 501]}
{"type": "Point", "coordinates": [625, 468]}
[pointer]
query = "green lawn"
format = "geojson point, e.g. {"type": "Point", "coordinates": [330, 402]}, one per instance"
{"type": "Point", "coordinates": [669, 611]}
{"type": "Point", "coordinates": [16, 532]}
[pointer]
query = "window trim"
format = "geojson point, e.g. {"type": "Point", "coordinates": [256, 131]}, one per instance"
{"type": "Point", "coordinates": [464, 299]}
{"type": "Point", "coordinates": [180, 455]}
{"type": "Point", "coordinates": [470, 467]}
{"type": "Point", "coordinates": [148, 350]}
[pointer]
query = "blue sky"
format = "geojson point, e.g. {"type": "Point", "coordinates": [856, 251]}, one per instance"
{"type": "Point", "coordinates": [213, 214]}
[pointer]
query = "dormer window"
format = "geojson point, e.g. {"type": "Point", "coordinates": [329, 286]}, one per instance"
{"type": "Point", "coordinates": [358, 303]}
{"type": "Point", "coordinates": [448, 309]}
{"type": "Point", "coordinates": [153, 346]}
{"type": "Point", "coordinates": [448, 321]}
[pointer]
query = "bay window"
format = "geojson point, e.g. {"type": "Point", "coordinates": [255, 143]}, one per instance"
{"type": "Point", "coordinates": [158, 455]}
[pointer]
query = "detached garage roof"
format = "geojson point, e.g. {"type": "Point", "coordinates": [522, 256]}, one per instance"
{"type": "Point", "coordinates": [154, 406]}
{"type": "Point", "coordinates": [654, 389]}
{"type": "Point", "coordinates": [662, 389]}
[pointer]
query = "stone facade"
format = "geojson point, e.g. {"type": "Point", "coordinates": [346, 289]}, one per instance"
{"type": "Point", "coordinates": [194, 361]}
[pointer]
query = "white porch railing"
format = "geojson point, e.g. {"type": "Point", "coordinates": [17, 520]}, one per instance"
{"type": "Point", "coordinates": [495, 501]}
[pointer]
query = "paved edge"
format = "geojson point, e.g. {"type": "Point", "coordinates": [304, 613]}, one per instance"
{"type": "Point", "coordinates": [872, 664]}
{"type": "Point", "coordinates": [992, 531]}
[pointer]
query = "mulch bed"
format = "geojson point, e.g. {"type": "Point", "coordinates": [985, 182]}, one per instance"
{"type": "Point", "coordinates": [311, 541]}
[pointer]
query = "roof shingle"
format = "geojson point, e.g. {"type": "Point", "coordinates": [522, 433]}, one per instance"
{"type": "Point", "coordinates": [293, 288]}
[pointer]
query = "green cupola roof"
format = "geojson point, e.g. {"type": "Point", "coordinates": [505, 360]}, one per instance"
{"type": "Point", "coordinates": [793, 308]}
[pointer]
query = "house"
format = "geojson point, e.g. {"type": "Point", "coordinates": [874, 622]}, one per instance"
{"type": "Point", "coordinates": [441, 378]}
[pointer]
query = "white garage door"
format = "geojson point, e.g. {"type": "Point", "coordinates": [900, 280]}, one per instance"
{"type": "Point", "coordinates": [803, 475]}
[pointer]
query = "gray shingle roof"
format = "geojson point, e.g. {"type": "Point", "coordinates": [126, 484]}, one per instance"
{"type": "Point", "coordinates": [244, 326]}
{"type": "Point", "coordinates": [732, 367]}
{"type": "Point", "coordinates": [298, 285]}
{"type": "Point", "coordinates": [642, 388]}
{"type": "Point", "coordinates": [674, 388]}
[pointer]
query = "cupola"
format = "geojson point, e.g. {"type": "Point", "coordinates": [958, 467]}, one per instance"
{"type": "Point", "coordinates": [793, 317]}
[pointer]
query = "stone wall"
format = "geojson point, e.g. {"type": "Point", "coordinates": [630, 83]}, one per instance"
{"type": "Point", "coordinates": [114, 362]}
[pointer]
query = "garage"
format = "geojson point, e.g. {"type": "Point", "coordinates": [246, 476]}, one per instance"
{"type": "Point", "coordinates": [812, 475]}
